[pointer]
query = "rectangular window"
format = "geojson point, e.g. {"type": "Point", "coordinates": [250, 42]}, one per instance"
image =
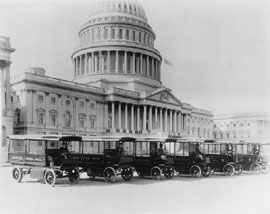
{"type": "Point", "coordinates": [128, 148]}
{"type": "Point", "coordinates": [16, 146]}
{"type": "Point", "coordinates": [53, 100]}
{"type": "Point", "coordinates": [92, 106]}
{"type": "Point", "coordinates": [36, 147]}
{"type": "Point", "coordinates": [81, 104]}
{"type": "Point", "coordinates": [142, 149]}
{"type": "Point", "coordinates": [169, 148]}
{"type": "Point", "coordinates": [40, 98]}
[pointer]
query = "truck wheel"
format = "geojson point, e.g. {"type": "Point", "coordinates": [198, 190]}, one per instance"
{"type": "Point", "coordinates": [74, 176]}
{"type": "Point", "coordinates": [195, 171]}
{"type": "Point", "coordinates": [155, 173]}
{"type": "Point", "coordinates": [127, 173]}
{"type": "Point", "coordinates": [229, 170]}
{"type": "Point", "coordinates": [50, 177]}
{"type": "Point", "coordinates": [169, 172]}
{"type": "Point", "coordinates": [109, 174]}
{"type": "Point", "coordinates": [17, 174]}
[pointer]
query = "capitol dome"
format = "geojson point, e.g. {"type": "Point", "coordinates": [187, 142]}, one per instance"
{"type": "Point", "coordinates": [127, 8]}
{"type": "Point", "coordinates": [117, 48]}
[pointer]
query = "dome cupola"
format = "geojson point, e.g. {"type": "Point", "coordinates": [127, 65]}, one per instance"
{"type": "Point", "coordinates": [117, 47]}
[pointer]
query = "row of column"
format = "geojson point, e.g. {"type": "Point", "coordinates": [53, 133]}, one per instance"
{"type": "Point", "coordinates": [144, 118]}
{"type": "Point", "coordinates": [5, 88]}
{"type": "Point", "coordinates": [118, 62]}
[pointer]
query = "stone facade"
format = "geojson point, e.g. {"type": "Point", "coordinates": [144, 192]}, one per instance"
{"type": "Point", "coordinates": [116, 90]}
{"type": "Point", "coordinates": [251, 126]}
{"type": "Point", "coordinates": [6, 108]}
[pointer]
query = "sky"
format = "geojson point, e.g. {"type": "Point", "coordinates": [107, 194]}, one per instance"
{"type": "Point", "coordinates": [219, 48]}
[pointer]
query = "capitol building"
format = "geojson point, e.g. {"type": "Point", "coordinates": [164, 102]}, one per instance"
{"type": "Point", "coordinates": [116, 88]}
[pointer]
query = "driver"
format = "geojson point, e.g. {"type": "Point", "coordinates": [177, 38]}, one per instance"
{"type": "Point", "coordinates": [64, 150]}
{"type": "Point", "coordinates": [161, 152]}
{"type": "Point", "coordinates": [256, 152]}
{"type": "Point", "coordinates": [198, 153]}
{"type": "Point", "coordinates": [229, 153]}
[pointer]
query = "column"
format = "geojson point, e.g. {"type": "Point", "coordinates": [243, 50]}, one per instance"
{"type": "Point", "coordinates": [175, 122]}
{"type": "Point", "coordinates": [3, 107]}
{"type": "Point", "coordinates": [166, 120]}
{"type": "Point", "coordinates": [150, 119]}
{"type": "Point", "coordinates": [141, 65]}
{"type": "Point", "coordinates": [8, 97]}
{"type": "Point", "coordinates": [133, 63]}
{"type": "Point", "coordinates": [59, 110]}
{"type": "Point", "coordinates": [93, 63]}
{"type": "Point", "coordinates": [153, 69]}
{"type": "Point", "coordinates": [156, 72]}
{"type": "Point", "coordinates": [106, 110]}
{"type": "Point", "coordinates": [74, 63]}
{"type": "Point", "coordinates": [126, 117]}
{"type": "Point", "coordinates": [161, 120]}
{"type": "Point", "coordinates": [119, 117]}
{"type": "Point", "coordinates": [179, 123]}
{"type": "Point", "coordinates": [156, 117]}
{"type": "Point", "coordinates": [85, 64]}
{"type": "Point", "coordinates": [100, 62]}
{"type": "Point", "coordinates": [132, 118]}
{"type": "Point", "coordinates": [81, 65]}
{"type": "Point", "coordinates": [126, 68]}
{"type": "Point", "coordinates": [112, 115]}
{"type": "Point", "coordinates": [171, 121]}
{"type": "Point", "coordinates": [147, 66]}
{"type": "Point", "coordinates": [138, 118]}
{"type": "Point", "coordinates": [144, 118]}
{"type": "Point", "coordinates": [108, 62]}
{"type": "Point", "coordinates": [116, 61]}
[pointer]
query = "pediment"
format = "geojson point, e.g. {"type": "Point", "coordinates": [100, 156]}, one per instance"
{"type": "Point", "coordinates": [163, 95]}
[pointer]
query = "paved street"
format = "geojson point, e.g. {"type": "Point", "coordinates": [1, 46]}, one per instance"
{"type": "Point", "coordinates": [217, 194]}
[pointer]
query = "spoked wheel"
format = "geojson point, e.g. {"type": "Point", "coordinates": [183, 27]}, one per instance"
{"type": "Point", "coordinates": [238, 169]}
{"type": "Point", "coordinates": [74, 176]}
{"type": "Point", "coordinates": [155, 173]}
{"type": "Point", "coordinates": [168, 172]}
{"type": "Point", "coordinates": [109, 174]}
{"type": "Point", "coordinates": [17, 174]}
{"type": "Point", "coordinates": [255, 169]}
{"type": "Point", "coordinates": [195, 171]}
{"type": "Point", "coordinates": [50, 177]}
{"type": "Point", "coordinates": [229, 170]}
{"type": "Point", "coordinates": [127, 173]}
{"type": "Point", "coordinates": [206, 171]}
{"type": "Point", "coordinates": [265, 168]}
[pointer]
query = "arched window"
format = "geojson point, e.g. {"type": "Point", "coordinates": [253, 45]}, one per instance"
{"type": "Point", "coordinates": [17, 116]}
{"type": "Point", "coordinates": [127, 34]}
{"type": "Point", "coordinates": [40, 116]}
{"type": "Point", "coordinates": [67, 117]}
{"type": "Point", "coordinates": [92, 119]}
{"type": "Point", "coordinates": [120, 33]}
{"type": "Point", "coordinates": [134, 36]}
{"type": "Point", "coordinates": [53, 115]}
{"type": "Point", "coordinates": [82, 121]}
